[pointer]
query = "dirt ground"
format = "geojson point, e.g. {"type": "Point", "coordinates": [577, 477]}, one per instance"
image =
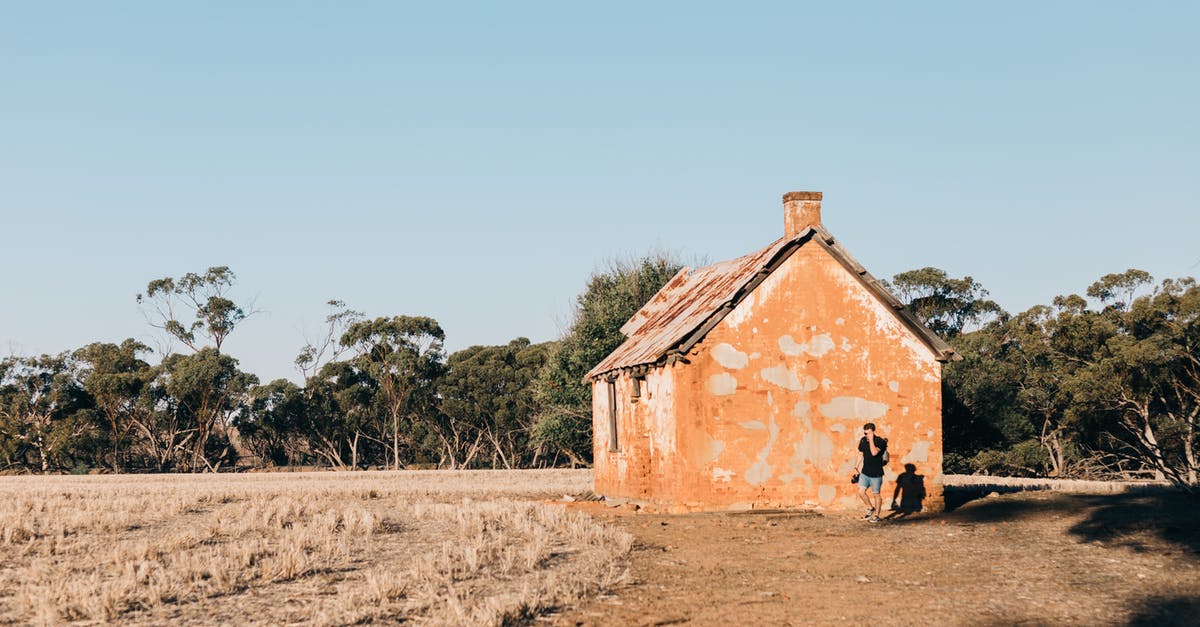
{"type": "Point", "coordinates": [1025, 558]}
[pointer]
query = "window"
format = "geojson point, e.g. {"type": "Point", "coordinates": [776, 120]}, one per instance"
{"type": "Point", "coordinates": [612, 415]}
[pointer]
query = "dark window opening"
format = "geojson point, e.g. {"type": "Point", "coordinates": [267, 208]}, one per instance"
{"type": "Point", "coordinates": [637, 389]}
{"type": "Point", "coordinates": [612, 415]}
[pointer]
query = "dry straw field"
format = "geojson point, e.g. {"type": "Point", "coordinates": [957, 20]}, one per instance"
{"type": "Point", "coordinates": [314, 548]}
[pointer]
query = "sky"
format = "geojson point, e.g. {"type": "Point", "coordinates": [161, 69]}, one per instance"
{"type": "Point", "coordinates": [477, 162]}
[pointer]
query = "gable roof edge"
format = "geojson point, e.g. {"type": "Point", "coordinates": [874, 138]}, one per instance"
{"type": "Point", "coordinates": [942, 351]}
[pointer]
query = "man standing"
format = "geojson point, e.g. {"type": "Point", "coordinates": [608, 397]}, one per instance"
{"type": "Point", "coordinates": [870, 475]}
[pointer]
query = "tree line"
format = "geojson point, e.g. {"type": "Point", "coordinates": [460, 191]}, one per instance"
{"type": "Point", "coordinates": [1106, 384]}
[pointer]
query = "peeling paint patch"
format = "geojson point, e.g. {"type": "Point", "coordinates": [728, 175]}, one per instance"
{"type": "Point", "coordinates": [817, 346]}
{"type": "Point", "coordinates": [722, 384]}
{"type": "Point", "coordinates": [803, 409]}
{"type": "Point", "coordinates": [760, 471]}
{"type": "Point", "coordinates": [853, 407]}
{"type": "Point", "coordinates": [781, 376]}
{"type": "Point", "coordinates": [712, 450]}
{"type": "Point", "coordinates": [837, 427]}
{"type": "Point", "coordinates": [730, 357]}
{"type": "Point", "coordinates": [810, 384]}
{"type": "Point", "coordinates": [826, 383]}
{"type": "Point", "coordinates": [841, 322]}
{"type": "Point", "coordinates": [753, 425]}
{"type": "Point", "coordinates": [826, 494]}
{"type": "Point", "coordinates": [846, 345]}
{"type": "Point", "coordinates": [755, 355]}
{"type": "Point", "coordinates": [919, 453]}
{"type": "Point", "coordinates": [722, 475]}
{"type": "Point", "coordinates": [894, 386]}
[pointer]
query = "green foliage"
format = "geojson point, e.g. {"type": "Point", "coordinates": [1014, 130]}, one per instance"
{"type": "Point", "coordinates": [403, 355]}
{"type": "Point", "coordinates": [43, 422]}
{"type": "Point", "coordinates": [946, 305]}
{"type": "Point", "coordinates": [205, 390]}
{"type": "Point", "coordinates": [204, 296]}
{"type": "Point", "coordinates": [488, 405]}
{"type": "Point", "coordinates": [1107, 389]}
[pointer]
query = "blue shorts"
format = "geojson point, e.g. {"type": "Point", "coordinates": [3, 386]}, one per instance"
{"type": "Point", "coordinates": [875, 483]}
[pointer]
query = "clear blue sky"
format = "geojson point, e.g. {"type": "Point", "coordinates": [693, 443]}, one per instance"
{"type": "Point", "coordinates": [475, 163]}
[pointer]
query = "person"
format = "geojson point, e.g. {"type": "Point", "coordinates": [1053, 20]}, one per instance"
{"type": "Point", "coordinates": [870, 472]}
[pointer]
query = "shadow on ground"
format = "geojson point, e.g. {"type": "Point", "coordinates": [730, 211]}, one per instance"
{"type": "Point", "coordinates": [1178, 611]}
{"type": "Point", "coordinates": [1122, 519]}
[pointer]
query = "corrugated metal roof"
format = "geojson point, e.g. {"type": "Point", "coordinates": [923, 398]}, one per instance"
{"type": "Point", "coordinates": [693, 301]}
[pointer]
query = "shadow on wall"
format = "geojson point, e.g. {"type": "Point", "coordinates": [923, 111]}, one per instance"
{"type": "Point", "coordinates": [1166, 612]}
{"type": "Point", "coordinates": [908, 497]}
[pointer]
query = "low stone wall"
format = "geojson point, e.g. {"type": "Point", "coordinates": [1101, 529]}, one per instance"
{"type": "Point", "coordinates": [986, 483]}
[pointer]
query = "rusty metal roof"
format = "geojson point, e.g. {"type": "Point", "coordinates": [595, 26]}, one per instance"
{"type": "Point", "coordinates": [695, 300]}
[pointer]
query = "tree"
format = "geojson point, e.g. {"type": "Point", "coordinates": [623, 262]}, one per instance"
{"type": "Point", "coordinates": [203, 297]}
{"type": "Point", "coordinates": [116, 377]}
{"type": "Point", "coordinates": [1144, 380]}
{"type": "Point", "coordinates": [316, 354]}
{"type": "Point", "coordinates": [205, 390]}
{"type": "Point", "coordinates": [946, 305]}
{"type": "Point", "coordinates": [403, 355]}
{"type": "Point", "coordinates": [487, 403]}
{"type": "Point", "coordinates": [611, 297]}
{"type": "Point", "coordinates": [42, 410]}
{"type": "Point", "coordinates": [274, 421]}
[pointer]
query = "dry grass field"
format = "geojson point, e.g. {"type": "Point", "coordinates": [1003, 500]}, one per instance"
{"type": "Point", "coordinates": [312, 548]}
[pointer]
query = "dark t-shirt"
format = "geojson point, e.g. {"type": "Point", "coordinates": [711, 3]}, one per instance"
{"type": "Point", "coordinates": [872, 464]}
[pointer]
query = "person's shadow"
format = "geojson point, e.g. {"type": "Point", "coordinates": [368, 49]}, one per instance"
{"type": "Point", "coordinates": [909, 495]}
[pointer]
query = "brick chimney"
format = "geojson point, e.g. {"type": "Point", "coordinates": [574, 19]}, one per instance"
{"type": "Point", "coordinates": [800, 211]}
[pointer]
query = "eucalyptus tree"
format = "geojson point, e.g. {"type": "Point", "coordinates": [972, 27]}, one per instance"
{"type": "Point", "coordinates": [404, 356]}
{"type": "Point", "coordinates": [195, 307]}
{"type": "Point", "coordinates": [206, 390]}
{"type": "Point", "coordinates": [43, 417]}
{"type": "Point", "coordinates": [948, 306]}
{"type": "Point", "coordinates": [488, 406]}
{"type": "Point", "coordinates": [116, 378]}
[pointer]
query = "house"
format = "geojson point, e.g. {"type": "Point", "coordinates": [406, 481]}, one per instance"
{"type": "Point", "coordinates": [745, 384]}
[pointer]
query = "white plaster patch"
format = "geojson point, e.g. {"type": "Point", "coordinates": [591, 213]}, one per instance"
{"type": "Point", "coordinates": [846, 346]}
{"type": "Point", "coordinates": [730, 357]}
{"type": "Point", "coordinates": [817, 346]}
{"type": "Point", "coordinates": [929, 434]}
{"type": "Point", "coordinates": [826, 383]}
{"type": "Point", "coordinates": [770, 398]}
{"type": "Point", "coordinates": [810, 383]}
{"type": "Point", "coordinates": [853, 407]}
{"type": "Point", "coordinates": [781, 376]}
{"type": "Point", "coordinates": [755, 355]}
{"type": "Point", "coordinates": [841, 322]}
{"type": "Point", "coordinates": [760, 471]}
{"type": "Point", "coordinates": [837, 427]}
{"type": "Point", "coordinates": [919, 453]}
{"type": "Point", "coordinates": [826, 494]}
{"type": "Point", "coordinates": [816, 448]}
{"type": "Point", "coordinates": [722, 384]}
{"type": "Point", "coordinates": [894, 386]}
{"type": "Point", "coordinates": [722, 475]}
{"type": "Point", "coordinates": [803, 409]}
{"type": "Point", "coordinates": [753, 425]}
{"type": "Point", "coordinates": [712, 451]}
{"type": "Point", "coordinates": [904, 410]}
